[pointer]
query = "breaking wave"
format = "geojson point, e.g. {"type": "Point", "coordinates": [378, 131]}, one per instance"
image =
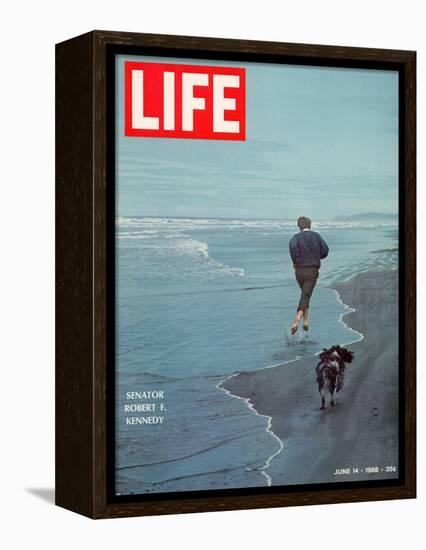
{"type": "Point", "coordinates": [183, 224]}
{"type": "Point", "coordinates": [166, 251]}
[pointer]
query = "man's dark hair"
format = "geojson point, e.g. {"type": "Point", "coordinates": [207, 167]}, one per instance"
{"type": "Point", "coordinates": [304, 223]}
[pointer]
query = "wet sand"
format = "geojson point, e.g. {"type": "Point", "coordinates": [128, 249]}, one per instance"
{"type": "Point", "coordinates": [361, 431]}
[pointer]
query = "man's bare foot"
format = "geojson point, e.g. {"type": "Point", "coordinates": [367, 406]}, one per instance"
{"type": "Point", "coordinates": [305, 326]}
{"type": "Point", "coordinates": [295, 324]}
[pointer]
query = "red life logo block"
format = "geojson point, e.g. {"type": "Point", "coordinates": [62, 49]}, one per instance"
{"type": "Point", "coordinates": [184, 101]}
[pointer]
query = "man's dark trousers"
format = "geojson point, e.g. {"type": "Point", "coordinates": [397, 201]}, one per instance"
{"type": "Point", "coordinates": [307, 279]}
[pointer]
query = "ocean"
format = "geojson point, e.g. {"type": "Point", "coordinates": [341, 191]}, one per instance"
{"type": "Point", "coordinates": [199, 300]}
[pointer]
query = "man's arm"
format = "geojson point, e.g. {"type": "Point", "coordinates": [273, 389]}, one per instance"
{"type": "Point", "coordinates": [293, 247]}
{"type": "Point", "coordinates": [323, 248]}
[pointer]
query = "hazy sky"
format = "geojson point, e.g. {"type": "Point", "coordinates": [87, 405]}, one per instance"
{"type": "Point", "coordinates": [320, 142]}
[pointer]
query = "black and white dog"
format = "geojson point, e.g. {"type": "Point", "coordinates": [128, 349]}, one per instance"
{"type": "Point", "coordinates": [331, 371]}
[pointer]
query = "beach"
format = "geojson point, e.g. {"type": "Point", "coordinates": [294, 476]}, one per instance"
{"type": "Point", "coordinates": [358, 438]}
{"type": "Point", "coordinates": [200, 300]}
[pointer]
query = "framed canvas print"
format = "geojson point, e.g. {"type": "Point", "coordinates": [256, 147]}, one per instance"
{"type": "Point", "coordinates": [235, 281]}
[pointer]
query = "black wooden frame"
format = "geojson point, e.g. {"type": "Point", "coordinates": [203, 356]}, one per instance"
{"type": "Point", "coordinates": [85, 267]}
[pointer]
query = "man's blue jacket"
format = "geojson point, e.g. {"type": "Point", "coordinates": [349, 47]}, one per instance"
{"type": "Point", "coordinates": [307, 249]}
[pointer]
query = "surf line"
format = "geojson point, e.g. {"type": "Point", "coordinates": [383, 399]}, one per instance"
{"type": "Point", "coordinates": [348, 309]}
{"type": "Point", "coordinates": [250, 406]}
{"type": "Point", "coordinates": [268, 429]}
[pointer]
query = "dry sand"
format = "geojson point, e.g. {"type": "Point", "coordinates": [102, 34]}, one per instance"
{"type": "Point", "coordinates": [362, 430]}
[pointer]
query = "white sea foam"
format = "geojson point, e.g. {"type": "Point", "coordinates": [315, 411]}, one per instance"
{"type": "Point", "coordinates": [192, 246]}
{"type": "Point", "coordinates": [268, 429]}
{"type": "Point", "coordinates": [211, 223]}
{"type": "Point", "coordinates": [199, 249]}
{"type": "Point", "coordinates": [347, 309]}
{"type": "Point", "coordinates": [133, 236]}
{"type": "Point", "coordinates": [169, 252]}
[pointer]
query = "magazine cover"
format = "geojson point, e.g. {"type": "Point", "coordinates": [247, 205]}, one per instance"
{"type": "Point", "coordinates": [256, 265]}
